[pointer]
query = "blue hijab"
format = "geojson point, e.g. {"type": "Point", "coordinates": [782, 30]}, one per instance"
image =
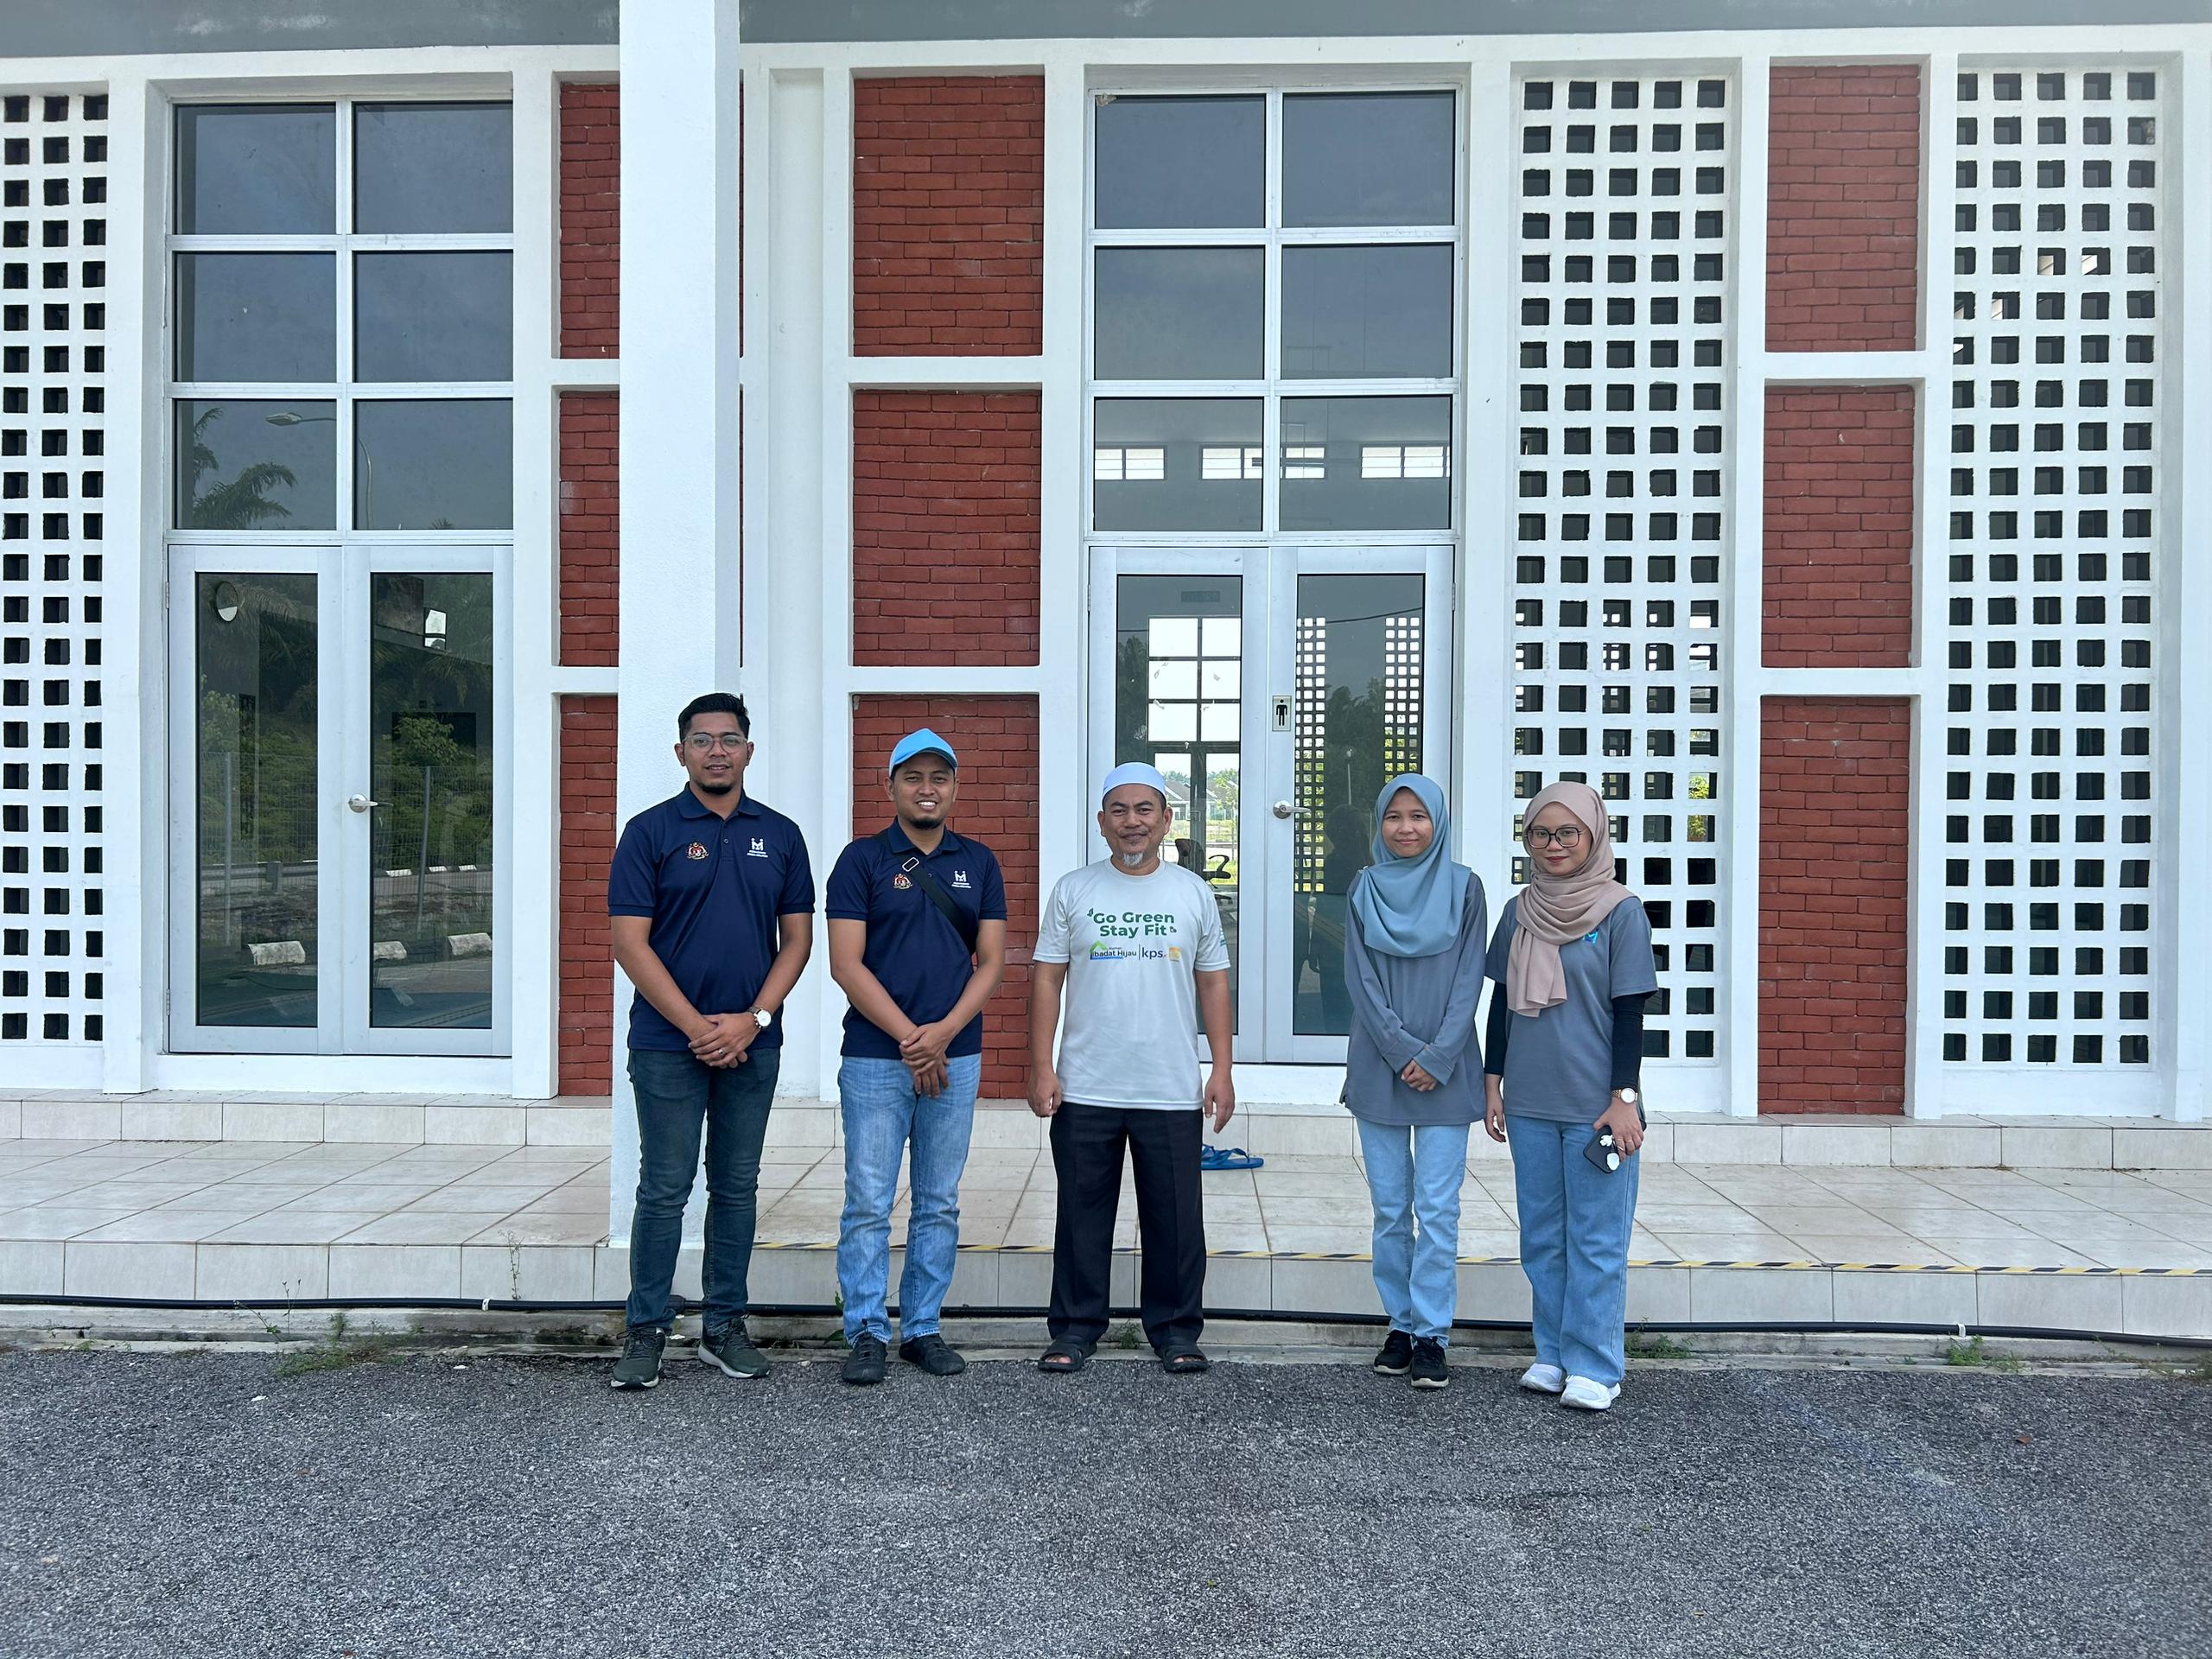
{"type": "Point", "coordinates": [1412, 906]}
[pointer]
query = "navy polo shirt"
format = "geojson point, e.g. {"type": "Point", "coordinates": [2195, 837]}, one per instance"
{"type": "Point", "coordinates": [714, 888]}
{"type": "Point", "coordinates": [912, 949]}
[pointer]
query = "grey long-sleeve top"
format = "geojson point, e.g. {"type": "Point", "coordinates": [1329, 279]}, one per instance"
{"type": "Point", "coordinates": [1417, 1009]}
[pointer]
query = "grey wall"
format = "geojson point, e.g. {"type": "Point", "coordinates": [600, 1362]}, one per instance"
{"type": "Point", "coordinates": [769, 21]}
{"type": "Point", "coordinates": [92, 28]}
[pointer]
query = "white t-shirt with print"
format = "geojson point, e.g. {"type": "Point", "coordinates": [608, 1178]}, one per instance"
{"type": "Point", "coordinates": [1133, 944]}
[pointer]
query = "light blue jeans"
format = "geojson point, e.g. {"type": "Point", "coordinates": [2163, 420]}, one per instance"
{"type": "Point", "coordinates": [882, 1115]}
{"type": "Point", "coordinates": [1415, 1175]}
{"type": "Point", "coordinates": [1575, 1221]}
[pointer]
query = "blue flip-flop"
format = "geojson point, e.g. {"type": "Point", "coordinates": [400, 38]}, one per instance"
{"type": "Point", "coordinates": [1228, 1157]}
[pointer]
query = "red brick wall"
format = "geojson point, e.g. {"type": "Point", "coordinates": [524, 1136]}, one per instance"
{"type": "Point", "coordinates": [1838, 527]}
{"type": "Point", "coordinates": [591, 217]}
{"type": "Point", "coordinates": [949, 215]}
{"type": "Point", "coordinates": [590, 564]}
{"type": "Point", "coordinates": [944, 527]}
{"type": "Point", "coordinates": [585, 1052]}
{"type": "Point", "coordinates": [1834, 798]}
{"type": "Point", "coordinates": [1843, 208]}
{"type": "Point", "coordinates": [997, 740]}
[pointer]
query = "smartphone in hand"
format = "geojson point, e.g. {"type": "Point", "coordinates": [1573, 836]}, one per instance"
{"type": "Point", "coordinates": [1603, 1151]}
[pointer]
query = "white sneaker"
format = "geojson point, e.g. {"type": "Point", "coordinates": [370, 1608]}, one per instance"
{"type": "Point", "coordinates": [1585, 1395]}
{"type": "Point", "coordinates": [1543, 1379]}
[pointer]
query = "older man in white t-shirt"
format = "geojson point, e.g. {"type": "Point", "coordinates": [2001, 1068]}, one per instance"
{"type": "Point", "coordinates": [1138, 944]}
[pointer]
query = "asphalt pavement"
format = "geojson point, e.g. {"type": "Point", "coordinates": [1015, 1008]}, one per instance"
{"type": "Point", "coordinates": [211, 1503]}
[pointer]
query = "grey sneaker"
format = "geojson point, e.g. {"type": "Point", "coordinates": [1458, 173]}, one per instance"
{"type": "Point", "coordinates": [933, 1354]}
{"type": "Point", "coordinates": [639, 1366]}
{"type": "Point", "coordinates": [733, 1350]}
{"type": "Point", "coordinates": [864, 1366]}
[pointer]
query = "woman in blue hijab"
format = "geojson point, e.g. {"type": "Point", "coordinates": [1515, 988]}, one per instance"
{"type": "Point", "coordinates": [1414, 1073]}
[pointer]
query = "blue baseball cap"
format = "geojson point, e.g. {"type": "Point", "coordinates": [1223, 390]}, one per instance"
{"type": "Point", "coordinates": [924, 741]}
{"type": "Point", "coordinates": [1132, 772]}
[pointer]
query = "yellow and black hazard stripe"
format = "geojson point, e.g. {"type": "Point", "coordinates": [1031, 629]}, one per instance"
{"type": "Point", "coordinates": [1515, 1261]}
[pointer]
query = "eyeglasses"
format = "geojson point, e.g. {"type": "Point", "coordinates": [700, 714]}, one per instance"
{"type": "Point", "coordinates": [1568, 838]}
{"type": "Point", "coordinates": [705, 742]}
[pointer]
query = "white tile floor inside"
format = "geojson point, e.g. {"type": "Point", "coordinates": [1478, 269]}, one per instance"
{"type": "Point", "coordinates": [281, 1193]}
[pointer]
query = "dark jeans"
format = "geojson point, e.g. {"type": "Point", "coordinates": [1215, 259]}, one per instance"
{"type": "Point", "coordinates": [1087, 1142]}
{"type": "Point", "coordinates": [677, 1095]}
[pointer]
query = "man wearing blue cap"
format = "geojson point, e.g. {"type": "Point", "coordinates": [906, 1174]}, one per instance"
{"type": "Point", "coordinates": [1138, 945]}
{"type": "Point", "coordinates": [918, 944]}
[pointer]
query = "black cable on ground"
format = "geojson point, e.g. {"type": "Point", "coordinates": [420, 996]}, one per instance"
{"type": "Point", "coordinates": [1256, 1316]}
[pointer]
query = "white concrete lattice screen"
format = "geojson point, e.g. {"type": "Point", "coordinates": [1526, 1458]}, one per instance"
{"type": "Point", "coordinates": [2054, 556]}
{"type": "Point", "coordinates": [1626, 307]}
{"type": "Point", "coordinates": [53, 363]}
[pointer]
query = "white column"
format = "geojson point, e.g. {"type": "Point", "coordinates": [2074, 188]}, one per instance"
{"type": "Point", "coordinates": [1742, 729]}
{"type": "Point", "coordinates": [678, 448]}
{"type": "Point", "coordinates": [532, 831]}
{"type": "Point", "coordinates": [137, 756]}
{"type": "Point", "coordinates": [2186, 732]}
{"type": "Point", "coordinates": [1063, 818]}
{"type": "Point", "coordinates": [1484, 611]}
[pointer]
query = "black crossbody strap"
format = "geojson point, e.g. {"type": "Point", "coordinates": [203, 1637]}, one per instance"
{"type": "Point", "coordinates": [912, 865]}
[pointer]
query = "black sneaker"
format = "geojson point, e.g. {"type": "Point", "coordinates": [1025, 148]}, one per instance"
{"type": "Point", "coordinates": [933, 1354]}
{"type": "Point", "coordinates": [1398, 1354]}
{"type": "Point", "coordinates": [1428, 1369]}
{"type": "Point", "coordinates": [865, 1364]}
{"type": "Point", "coordinates": [639, 1366]}
{"type": "Point", "coordinates": [732, 1351]}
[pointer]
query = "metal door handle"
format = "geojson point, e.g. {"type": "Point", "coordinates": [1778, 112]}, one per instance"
{"type": "Point", "coordinates": [1285, 810]}
{"type": "Point", "coordinates": [362, 803]}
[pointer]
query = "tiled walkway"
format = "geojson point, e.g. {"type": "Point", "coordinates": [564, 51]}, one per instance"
{"type": "Point", "coordinates": [173, 1220]}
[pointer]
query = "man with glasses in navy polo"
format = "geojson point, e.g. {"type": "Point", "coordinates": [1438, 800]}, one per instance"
{"type": "Point", "coordinates": [917, 944]}
{"type": "Point", "coordinates": [713, 905]}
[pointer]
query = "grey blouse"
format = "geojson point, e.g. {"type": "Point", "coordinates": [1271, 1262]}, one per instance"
{"type": "Point", "coordinates": [1420, 1009]}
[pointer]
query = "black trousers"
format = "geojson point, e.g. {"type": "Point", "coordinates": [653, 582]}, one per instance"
{"type": "Point", "coordinates": [1087, 1142]}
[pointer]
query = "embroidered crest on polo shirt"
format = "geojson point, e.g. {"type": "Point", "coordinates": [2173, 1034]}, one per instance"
{"type": "Point", "coordinates": [900, 883]}
{"type": "Point", "coordinates": [697, 850]}
{"type": "Point", "coordinates": [960, 878]}
{"type": "Point", "coordinates": [759, 848]}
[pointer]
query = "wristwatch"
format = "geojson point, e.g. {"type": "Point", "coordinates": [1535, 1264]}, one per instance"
{"type": "Point", "coordinates": [1628, 1096]}
{"type": "Point", "coordinates": [763, 1018]}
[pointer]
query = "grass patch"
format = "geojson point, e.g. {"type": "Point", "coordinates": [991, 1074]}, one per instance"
{"type": "Point", "coordinates": [1978, 1354]}
{"type": "Point", "coordinates": [1655, 1344]}
{"type": "Point", "coordinates": [338, 1349]}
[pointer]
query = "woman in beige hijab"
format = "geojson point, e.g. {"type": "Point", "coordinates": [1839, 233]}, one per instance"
{"type": "Point", "coordinates": [1572, 959]}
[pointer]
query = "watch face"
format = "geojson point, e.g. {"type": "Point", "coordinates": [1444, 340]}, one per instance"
{"type": "Point", "coordinates": [1628, 1096]}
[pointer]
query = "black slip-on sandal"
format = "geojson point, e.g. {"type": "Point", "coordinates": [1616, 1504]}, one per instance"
{"type": "Point", "coordinates": [1064, 1358]}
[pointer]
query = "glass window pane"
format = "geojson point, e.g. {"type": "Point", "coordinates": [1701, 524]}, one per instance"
{"type": "Point", "coordinates": [1367, 463]}
{"type": "Point", "coordinates": [1164, 712]}
{"type": "Point", "coordinates": [434, 167]}
{"type": "Point", "coordinates": [1367, 313]}
{"type": "Point", "coordinates": [256, 465]}
{"type": "Point", "coordinates": [1358, 675]}
{"type": "Point", "coordinates": [1180, 313]}
{"type": "Point", "coordinates": [1176, 463]}
{"type": "Point", "coordinates": [257, 316]}
{"type": "Point", "coordinates": [444, 463]}
{"type": "Point", "coordinates": [1180, 163]}
{"type": "Point", "coordinates": [256, 170]}
{"type": "Point", "coordinates": [431, 848]}
{"type": "Point", "coordinates": [256, 944]}
{"type": "Point", "coordinates": [1368, 158]}
{"type": "Point", "coordinates": [434, 316]}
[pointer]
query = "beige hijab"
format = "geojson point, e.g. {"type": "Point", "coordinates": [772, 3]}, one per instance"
{"type": "Point", "coordinates": [1557, 910]}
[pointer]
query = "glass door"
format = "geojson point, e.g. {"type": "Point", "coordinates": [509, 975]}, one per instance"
{"type": "Point", "coordinates": [1276, 689]}
{"type": "Point", "coordinates": [336, 730]}
{"type": "Point", "coordinates": [1360, 640]}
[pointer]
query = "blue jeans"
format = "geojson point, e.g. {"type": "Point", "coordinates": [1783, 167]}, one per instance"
{"type": "Point", "coordinates": [1415, 1174]}
{"type": "Point", "coordinates": [1575, 1221]}
{"type": "Point", "coordinates": [882, 1115]}
{"type": "Point", "coordinates": [678, 1097]}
